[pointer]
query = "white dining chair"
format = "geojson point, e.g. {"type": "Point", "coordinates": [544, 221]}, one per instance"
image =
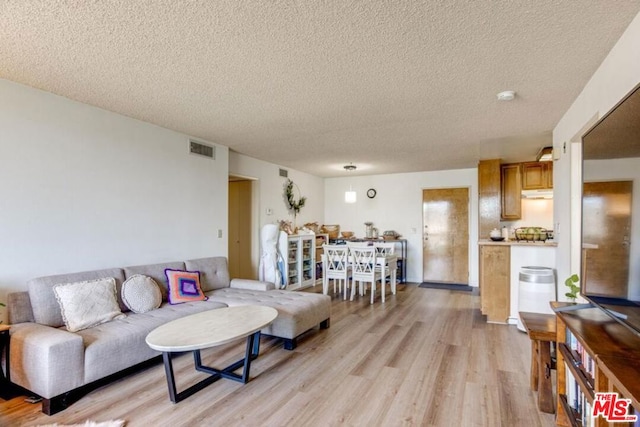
{"type": "Point", "coordinates": [385, 249]}
{"type": "Point", "coordinates": [335, 267]}
{"type": "Point", "coordinates": [363, 264]}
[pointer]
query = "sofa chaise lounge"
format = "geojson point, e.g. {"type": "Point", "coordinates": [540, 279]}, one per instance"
{"type": "Point", "coordinates": [60, 366]}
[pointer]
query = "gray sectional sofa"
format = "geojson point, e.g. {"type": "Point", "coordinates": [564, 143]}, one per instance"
{"type": "Point", "coordinates": [59, 365]}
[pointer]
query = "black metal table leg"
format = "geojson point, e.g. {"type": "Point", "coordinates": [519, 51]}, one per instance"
{"type": "Point", "coordinates": [168, 370]}
{"type": "Point", "coordinates": [251, 352]}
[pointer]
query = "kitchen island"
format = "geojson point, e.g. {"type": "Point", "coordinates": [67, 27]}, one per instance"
{"type": "Point", "coordinates": [500, 264]}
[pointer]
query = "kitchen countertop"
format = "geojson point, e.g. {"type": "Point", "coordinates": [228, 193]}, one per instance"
{"type": "Point", "coordinates": [548, 243]}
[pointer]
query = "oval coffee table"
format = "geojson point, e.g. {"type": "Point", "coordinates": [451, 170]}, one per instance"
{"type": "Point", "coordinates": [209, 329]}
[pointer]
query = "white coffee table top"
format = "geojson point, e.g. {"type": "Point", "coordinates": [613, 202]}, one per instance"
{"type": "Point", "coordinates": [210, 328]}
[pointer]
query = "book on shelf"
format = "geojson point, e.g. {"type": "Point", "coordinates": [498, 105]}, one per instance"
{"type": "Point", "coordinates": [584, 361]}
{"type": "Point", "coordinates": [584, 366]}
{"type": "Point", "coordinates": [578, 401]}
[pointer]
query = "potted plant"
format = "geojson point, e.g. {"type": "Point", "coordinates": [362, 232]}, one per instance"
{"type": "Point", "coordinates": [572, 283]}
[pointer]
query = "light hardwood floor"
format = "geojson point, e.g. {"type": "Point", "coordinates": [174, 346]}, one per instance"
{"type": "Point", "coordinates": [424, 358]}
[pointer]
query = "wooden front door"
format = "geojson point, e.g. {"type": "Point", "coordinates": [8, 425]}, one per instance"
{"type": "Point", "coordinates": [240, 230]}
{"type": "Point", "coordinates": [606, 222]}
{"type": "Point", "coordinates": [445, 239]}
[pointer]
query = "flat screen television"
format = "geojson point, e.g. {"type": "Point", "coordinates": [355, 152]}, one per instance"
{"type": "Point", "coordinates": [611, 213]}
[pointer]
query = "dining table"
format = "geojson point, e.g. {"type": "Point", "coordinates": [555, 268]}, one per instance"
{"type": "Point", "coordinates": [387, 262]}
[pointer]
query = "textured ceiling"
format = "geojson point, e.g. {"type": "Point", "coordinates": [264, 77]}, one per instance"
{"type": "Point", "coordinates": [391, 86]}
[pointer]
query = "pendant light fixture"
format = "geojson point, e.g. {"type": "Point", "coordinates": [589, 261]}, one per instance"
{"type": "Point", "coordinates": [350, 196]}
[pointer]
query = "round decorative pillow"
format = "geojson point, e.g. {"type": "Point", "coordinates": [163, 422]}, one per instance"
{"type": "Point", "coordinates": [141, 293]}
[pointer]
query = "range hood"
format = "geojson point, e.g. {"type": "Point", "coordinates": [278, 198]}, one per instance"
{"type": "Point", "coordinates": [537, 194]}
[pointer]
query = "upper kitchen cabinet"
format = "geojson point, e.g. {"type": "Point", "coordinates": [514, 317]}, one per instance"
{"type": "Point", "coordinates": [511, 180]}
{"type": "Point", "coordinates": [549, 168]}
{"type": "Point", "coordinates": [537, 175]}
{"type": "Point", "coordinates": [488, 196]}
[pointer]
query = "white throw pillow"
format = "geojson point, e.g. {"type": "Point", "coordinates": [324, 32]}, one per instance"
{"type": "Point", "coordinates": [88, 303]}
{"type": "Point", "coordinates": [141, 293]}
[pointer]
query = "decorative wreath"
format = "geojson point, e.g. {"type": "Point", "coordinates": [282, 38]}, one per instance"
{"type": "Point", "coordinates": [292, 204]}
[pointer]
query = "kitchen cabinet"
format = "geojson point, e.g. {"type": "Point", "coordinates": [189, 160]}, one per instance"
{"type": "Point", "coordinates": [500, 264]}
{"type": "Point", "coordinates": [495, 272]}
{"type": "Point", "coordinates": [500, 190]}
{"type": "Point", "coordinates": [511, 181]}
{"type": "Point", "coordinates": [300, 265]}
{"type": "Point", "coordinates": [488, 196]}
{"type": "Point", "coordinates": [537, 175]}
{"type": "Point", "coordinates": [549, 171]}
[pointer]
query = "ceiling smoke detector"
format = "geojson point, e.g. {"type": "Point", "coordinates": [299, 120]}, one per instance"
{"type": "Point", "coordinates": [506, 95]}
{"type": "Point", "coordinates": [350, 167]}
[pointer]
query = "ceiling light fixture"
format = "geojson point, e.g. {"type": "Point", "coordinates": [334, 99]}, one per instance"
{"type": "Point", "coordinates": [506, 95]}
{"type": "Point", "coordinates": [545, 154]}
{"type": "Point", "coordinates": [350, 196]}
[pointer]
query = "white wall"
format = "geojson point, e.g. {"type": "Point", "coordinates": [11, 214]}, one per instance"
{"type": "Point", "coordinates": [623, 170]}
{"type": "Point", "coordinates": [536, 213]}
{"type": "Point", "coordinates": [83, 188]}
{"type": "Point", "coordinates": [398, 206]}
{"type": "Point", "coordinates": [268, 193]}
{"type": "Point", "coordinates": [617, 76]}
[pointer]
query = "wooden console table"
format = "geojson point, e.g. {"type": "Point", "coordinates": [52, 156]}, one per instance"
{"type": "Point", "coordinates": [613, 352]}
{"type": "Point", "coordinates": [541, 329]}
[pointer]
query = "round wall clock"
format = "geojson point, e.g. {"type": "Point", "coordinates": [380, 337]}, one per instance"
{"type": "Point", "coordinates": [371, 193]}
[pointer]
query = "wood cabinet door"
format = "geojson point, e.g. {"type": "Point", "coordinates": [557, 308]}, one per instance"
{"type": "Point", "coordinates": [495, 279]}
{"type": "Point", "coordinates": [549, 172]}
{"type": "Point", "coordinates": [533, 176]}
{"type": "Point", "coordinates": [511, 192]}
{"type": "Point", "coordinates": [537, 175]}
{"type": "Point", "coordinates": [488, 196]}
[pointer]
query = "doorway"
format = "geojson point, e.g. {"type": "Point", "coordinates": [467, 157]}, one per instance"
{"type": "Point", "coordinates": [606, 222]}
{"type": "Point", "coordinates": [240, 228]}
{"type": "Point", "coordinates": [445, 238]}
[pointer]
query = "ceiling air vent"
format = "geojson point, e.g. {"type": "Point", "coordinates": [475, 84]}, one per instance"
{"type": "Point", "coordinates": [202, 149]}
{"type": "Point", "coordinates": [284, 173]}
